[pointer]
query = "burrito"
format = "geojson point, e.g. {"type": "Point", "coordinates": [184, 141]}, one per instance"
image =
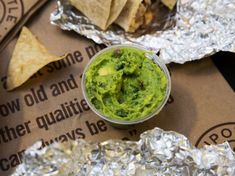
{"type": "Point", "coordinates": [102, 13]}
{"type": "Point", "coordinates": [134, 14]}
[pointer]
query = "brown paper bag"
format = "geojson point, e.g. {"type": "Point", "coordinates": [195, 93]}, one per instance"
{"type": "Point", "coordinates": [13, 15]}
{"type": "Point", "coordinates": [201, 105]}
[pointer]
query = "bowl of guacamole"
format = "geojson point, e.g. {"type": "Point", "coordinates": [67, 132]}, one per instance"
{"type": "Point", "coordinates": [126, 84]}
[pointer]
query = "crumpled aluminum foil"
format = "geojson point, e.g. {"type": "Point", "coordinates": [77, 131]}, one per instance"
{"type": "Point", "coordinates": [157, 153]}
{"type": "Point", "coordinates": [198, 29]}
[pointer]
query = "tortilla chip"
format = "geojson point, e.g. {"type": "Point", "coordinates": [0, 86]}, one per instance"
{"type": "Point", "coordinates": [102, 13]}
{"type": "Point", "coordinates": [169, 3]}
{"type": "Point", "coordinates": [128, 14]}
{"type": "Point", "coordinates": [97, 11]}
{"type": "Point", "coordinates": [28, 57]}
{"type": "Point", "coordinates": [116, 8]}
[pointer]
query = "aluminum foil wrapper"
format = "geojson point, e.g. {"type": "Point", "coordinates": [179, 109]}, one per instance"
{"type": "Point", "coordinates": [157, 153]}
{"type": "Point", "coordinates": [196, 29]}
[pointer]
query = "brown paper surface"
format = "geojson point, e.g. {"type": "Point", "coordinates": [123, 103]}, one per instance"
{"type": "Point", "coordinates": [201, 105]}
{"type": "Point", "coordinates": [13, 15]}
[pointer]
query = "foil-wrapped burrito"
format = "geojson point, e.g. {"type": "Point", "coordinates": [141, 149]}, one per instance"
{"type": "Point", "coordinates": [157, 153]}
{"type": "Point", "coordinates": [196, 29]}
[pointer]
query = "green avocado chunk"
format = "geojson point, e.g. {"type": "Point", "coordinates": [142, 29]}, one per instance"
{"type": "Point", "coordinates": [124, 85]}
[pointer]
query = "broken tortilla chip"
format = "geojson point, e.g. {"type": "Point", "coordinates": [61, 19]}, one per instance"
{"type": "Point", "coordinates": [28, 57]}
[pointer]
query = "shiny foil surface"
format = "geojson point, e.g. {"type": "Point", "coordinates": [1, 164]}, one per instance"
{"type": "Point", "coordinates": [195, 29]}
{"type": "Point", "coordinates": [157, 153]}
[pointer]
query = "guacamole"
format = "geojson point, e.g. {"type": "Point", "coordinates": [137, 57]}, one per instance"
{"type": "Point", "coordinates": [124, 85]}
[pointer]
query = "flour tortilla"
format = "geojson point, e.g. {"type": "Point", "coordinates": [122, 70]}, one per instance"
{"type": "Point", "coordinates": [128, 14]}
{"type": "Point", "coordinates": [102, 13]}
{"type": "Point", "coordinates": [28, 57]}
